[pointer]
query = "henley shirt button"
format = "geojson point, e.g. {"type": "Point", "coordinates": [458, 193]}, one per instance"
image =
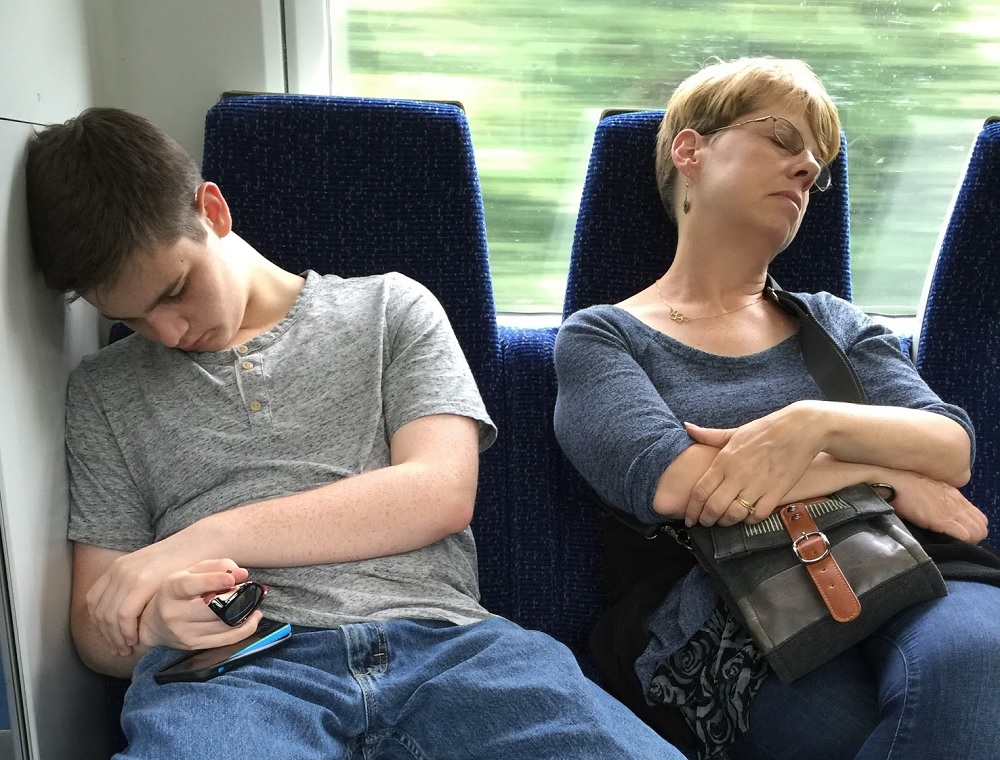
{"type": "Point", "coordinates": [242, 349]}
{"type": "Point", "coordinates": [256, 406]}
{"type": "Point", "coordinates": [247, 365]}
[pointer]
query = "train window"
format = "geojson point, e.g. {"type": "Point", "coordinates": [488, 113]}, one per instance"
{"type": "Point", "coordinates": [913, 80]}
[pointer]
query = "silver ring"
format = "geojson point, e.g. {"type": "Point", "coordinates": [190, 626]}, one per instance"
{"type": "Point", "coordinates": [752, 509]}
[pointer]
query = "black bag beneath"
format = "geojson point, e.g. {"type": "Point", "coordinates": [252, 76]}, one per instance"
{"type": "Point", "coordinates": [638, 571]}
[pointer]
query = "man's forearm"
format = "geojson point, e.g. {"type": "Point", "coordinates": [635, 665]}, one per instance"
{"type": "Point", "coordinates": [426, 493]}
{"type": "Point", "coordinates": [95, 651]}
{"type": "Point", "coordinates": [387, 511]}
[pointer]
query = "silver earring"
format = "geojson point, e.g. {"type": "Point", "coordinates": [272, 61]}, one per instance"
{"type": "Point", "coordinates": [686, 206]}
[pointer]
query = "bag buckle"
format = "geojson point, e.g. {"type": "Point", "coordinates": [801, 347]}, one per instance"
{"type": "Point", "coordinates": [806, 537]}
{"type": "Point", "coordinates": [681, 535]}
{"type": "Point", "coordinates": [826, 575]}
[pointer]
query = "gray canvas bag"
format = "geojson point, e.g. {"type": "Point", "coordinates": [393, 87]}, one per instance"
{"type": "Point", "coordinates": [807, 595]}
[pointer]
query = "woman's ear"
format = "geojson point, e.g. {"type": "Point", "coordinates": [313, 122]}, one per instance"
{"type": "Point", "coordinates": [212, 204]}
{"type": "Point", "coordinates": [684, 151]}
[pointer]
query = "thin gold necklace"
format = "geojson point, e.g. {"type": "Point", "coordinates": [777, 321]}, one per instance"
{"type": "Point", "coordinates": [680, 318]}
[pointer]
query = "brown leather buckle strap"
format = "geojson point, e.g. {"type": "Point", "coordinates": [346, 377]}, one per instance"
{"type": "Point", "coordinates": [813, 550]}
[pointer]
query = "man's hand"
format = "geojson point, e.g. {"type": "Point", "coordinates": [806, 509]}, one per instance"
{"type": "Point", "coordinates": [178, 617]}
{"type": "Point", "coordinates": [118, 597]}
{"type": "Point", "coordinates": [937, 506]}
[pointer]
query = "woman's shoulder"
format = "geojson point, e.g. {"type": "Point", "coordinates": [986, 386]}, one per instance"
{"type": "Point", "coordinates": [603, 326]}
{"type": "Point", "coordinates": [832, 310]}
{"type": "Point", "coordinates": [822, 299]}
{"type": "Point", "coordinates": [602, 316]}
{"type": "Point", "coordinates": [846, 322]}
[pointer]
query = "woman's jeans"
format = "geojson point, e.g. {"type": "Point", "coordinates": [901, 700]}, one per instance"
{"type": "Point", "coordinates": [399, 689]}
{"type": "Point", "coordinates": [925, 685]}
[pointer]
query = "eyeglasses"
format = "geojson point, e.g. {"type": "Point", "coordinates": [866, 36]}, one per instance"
{"type": "Point", "coordinates": [788, 137]}
{"type": "Point", "coordinates": [235, 606]}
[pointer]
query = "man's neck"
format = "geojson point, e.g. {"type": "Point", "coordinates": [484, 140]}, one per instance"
{"type": "Point", "coordinates": [272, 292]}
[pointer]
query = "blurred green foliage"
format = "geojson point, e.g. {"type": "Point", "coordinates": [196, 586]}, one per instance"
{"type": "Point", "coordinates": [913, 79]}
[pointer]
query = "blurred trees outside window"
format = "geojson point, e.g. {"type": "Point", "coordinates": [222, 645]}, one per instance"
{"type": "Point", "coordinates": [913, 79]}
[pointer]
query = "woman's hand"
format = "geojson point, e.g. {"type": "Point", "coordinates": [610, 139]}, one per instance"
{"type": "Point", "coordinates": [178, 617]}
{"type": "Point", "coordinates": [937, 506]}
{"type": "Point", "coordinates": [757, 463]}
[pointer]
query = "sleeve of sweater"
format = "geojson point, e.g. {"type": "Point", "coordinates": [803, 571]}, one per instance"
{"type": "Point", "coordinates": [887, 375]}
{"type": "Point", "coordinates": [610, 420]}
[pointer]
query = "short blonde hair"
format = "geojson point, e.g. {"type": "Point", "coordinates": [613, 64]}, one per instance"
{"type": "Point", "coordinates": [720, 94]}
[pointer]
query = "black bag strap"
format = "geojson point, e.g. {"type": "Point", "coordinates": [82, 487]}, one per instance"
{"type": "Point", "coordinates": [825, 360]}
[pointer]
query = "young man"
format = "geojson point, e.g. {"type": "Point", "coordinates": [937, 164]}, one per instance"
{"type": "Point", "coordinates": [317, 434]}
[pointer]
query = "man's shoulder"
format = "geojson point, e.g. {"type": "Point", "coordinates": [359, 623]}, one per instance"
{"type": "Point", "coordinates": [129, 352]}
{"type": "Point", "coordinates": [124, 367]}
{"type": "Point", "coordinates": [364, 291]}
{"type": "Point", "coordinates": [373, 283]}
{"type": "Point", "coordinates": [387, 297]}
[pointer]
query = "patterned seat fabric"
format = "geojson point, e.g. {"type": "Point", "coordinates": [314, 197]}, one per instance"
{"type": "Point", "coordinates": [958, 352]}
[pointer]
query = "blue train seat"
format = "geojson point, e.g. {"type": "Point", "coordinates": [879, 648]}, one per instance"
{"type": "Point", "coordinates": [959, 341]}
{"type": "Point", "coordinates": [551, 547]}
{"type": "Point", "coordinates": [357, 186]}
{"type": "Point", "coordinates": [362, 186]}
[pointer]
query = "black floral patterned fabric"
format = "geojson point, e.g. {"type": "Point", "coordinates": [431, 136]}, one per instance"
{"type": "Point", "coordinates": [712, 679]}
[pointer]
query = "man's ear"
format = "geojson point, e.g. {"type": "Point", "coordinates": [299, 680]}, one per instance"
{"type": "Point", "coordinates": [214, 209]}
{"type": "Point", "coordinates": [684, 152]}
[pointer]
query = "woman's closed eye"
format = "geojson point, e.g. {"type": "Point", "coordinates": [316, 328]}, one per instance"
{"type": "Point", "coordinates": [775, 141]}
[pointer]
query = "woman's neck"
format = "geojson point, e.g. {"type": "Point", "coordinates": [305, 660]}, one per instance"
{"type": "Point", "coordinates": [712, 256]}
{"type": "Point", "coordinates": [698, 274]}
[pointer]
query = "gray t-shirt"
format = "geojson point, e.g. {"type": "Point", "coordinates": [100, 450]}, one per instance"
{"type": "Point", "coordinates": [158, 438]}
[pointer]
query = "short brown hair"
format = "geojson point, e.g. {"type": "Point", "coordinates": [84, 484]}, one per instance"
{"type": "Point", "coordinates": [102, 188]}
{"type": "Point", "coordinates": [723, 92]}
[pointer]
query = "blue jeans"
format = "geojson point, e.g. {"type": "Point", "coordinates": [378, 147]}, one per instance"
{"type": "Point", "coordinates": [925, 685]}
{"type": "Point", "coordinates": [400, 689]}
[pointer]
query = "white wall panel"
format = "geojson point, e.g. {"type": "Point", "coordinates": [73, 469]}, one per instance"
{"type": "Point", "coordinates": [44, 62]}
{"type": "Point", "coordinates": [168, 60]}
{"type": "Point", "coordinates": [45, 77]}
{"type": "Point", "coordinates": [171, 60]}
{"type": "Point", "coordinates": [63, 703]}
{"type": "Point", "coordinates": [307, 45]}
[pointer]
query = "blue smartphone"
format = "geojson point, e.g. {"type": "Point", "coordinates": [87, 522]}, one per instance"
{"type": "Point", "coordinates": [204, 664]}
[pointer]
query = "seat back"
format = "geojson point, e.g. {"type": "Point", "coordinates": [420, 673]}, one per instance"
{"type": "Point", "coordinates": [960, 332]}
{"type": "Point", "coordinates": [624, 239]}
{"type": "Point", "coordinates": [358, 186]}
{"type": "Point", "coordinates": [545, 554]}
